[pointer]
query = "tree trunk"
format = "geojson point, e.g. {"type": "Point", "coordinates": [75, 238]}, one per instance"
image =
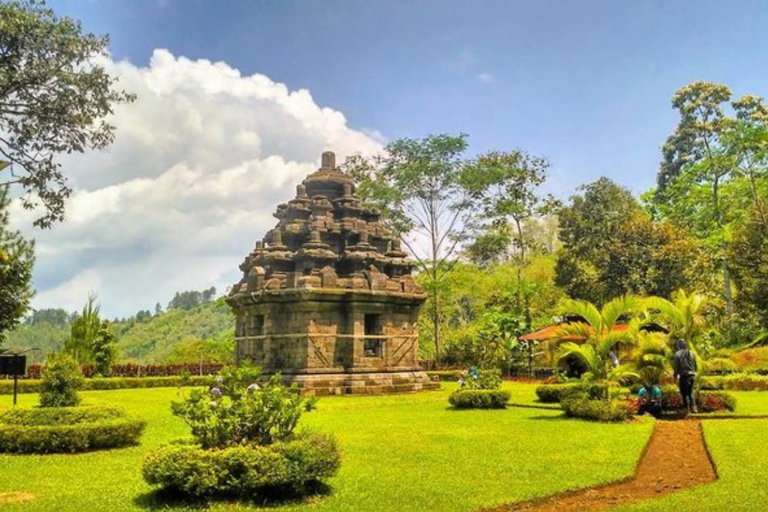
{"type": "Point", "coordinates": [727, 288]}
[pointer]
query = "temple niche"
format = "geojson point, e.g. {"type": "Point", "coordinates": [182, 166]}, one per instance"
{"type": "Point", "coordinates": [327, 298]}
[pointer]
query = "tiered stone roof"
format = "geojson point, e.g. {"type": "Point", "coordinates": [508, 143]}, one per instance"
{"type": "Point", "coordinates": [326, 238]}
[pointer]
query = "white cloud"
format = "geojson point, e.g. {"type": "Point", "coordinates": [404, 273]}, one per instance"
{"type": "Point", "coordinates": [200, 162]}
{"type": "Point", "coordinates": [484, 78]}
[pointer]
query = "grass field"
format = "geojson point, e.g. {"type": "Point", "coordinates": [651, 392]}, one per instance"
{"type": "Point", "coordinates": [406, 452]}
{"type": "Point", "coordinates": [409, 452]}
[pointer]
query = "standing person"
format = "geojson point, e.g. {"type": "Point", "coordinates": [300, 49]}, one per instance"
{"type": "Point", "coordinates": [685, 371]}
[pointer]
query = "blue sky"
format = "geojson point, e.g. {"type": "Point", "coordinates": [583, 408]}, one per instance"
{"type": "Point", "coordinates": [236, 101]}
{"type": "Point", "coordinates": [587, 84]}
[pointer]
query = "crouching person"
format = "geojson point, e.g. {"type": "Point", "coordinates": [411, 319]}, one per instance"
{"type": "Point", "coordinates": [649, 400]}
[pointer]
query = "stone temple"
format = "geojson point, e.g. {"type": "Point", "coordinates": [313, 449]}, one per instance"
{"type": "Point", "coordinates": [327, 298]}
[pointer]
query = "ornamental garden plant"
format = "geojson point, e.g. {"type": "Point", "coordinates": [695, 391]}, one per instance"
{"type": "Point", "coordinates": [480, 391]}
{"type": "Point", "coordinates": [244, 442]}
{"type": "Point", "coordinates": [59, 424]}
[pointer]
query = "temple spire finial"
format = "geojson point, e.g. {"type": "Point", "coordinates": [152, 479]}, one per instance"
{"type": "Point", "coordinates": [328, 160]}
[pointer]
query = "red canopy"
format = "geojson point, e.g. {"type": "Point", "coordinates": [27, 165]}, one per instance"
{"type": "Point", "coordinates": [550, 332]}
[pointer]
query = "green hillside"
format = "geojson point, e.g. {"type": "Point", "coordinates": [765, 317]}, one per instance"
{"type": "Point", "coordinates": [180, 334]}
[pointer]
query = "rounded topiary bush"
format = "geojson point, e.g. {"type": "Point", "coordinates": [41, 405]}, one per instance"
{"type": "Point", "coordinates": [582, 406]}
{"type": "Point", "coordinates": [287, 466]}
{"type": "Point", "coordinates": [67, 429]}
{"type": "Point", "coordinates": [479, 399]}
{"type": "Point", "coordinates": [244, 442]}
{"type": "Point", "coordinates": [61, 381]}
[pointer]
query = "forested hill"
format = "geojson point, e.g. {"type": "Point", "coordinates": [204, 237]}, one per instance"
{"type": "Point", "coordinates": [183, 333]}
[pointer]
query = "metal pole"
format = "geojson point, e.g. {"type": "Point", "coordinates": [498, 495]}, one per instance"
{"type": "Point", "coordinates": [15, 388]}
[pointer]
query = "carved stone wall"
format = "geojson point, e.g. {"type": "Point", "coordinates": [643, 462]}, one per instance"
{"type": "Point", "coordinates": [328, 291]}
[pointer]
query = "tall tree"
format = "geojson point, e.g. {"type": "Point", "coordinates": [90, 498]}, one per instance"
{"type": "Point", "coordinates": [506, 185]}
{"type": "Point", "coordinates": [707, 151]}
{"type": "Point", "coordinates": [418, 185]}
{"type": "Point", "coordinates": [55, 97]}
{"type": "Point", "coordinates": [17, 257]}
{"type": "Point", "coordinates": [83, 331]}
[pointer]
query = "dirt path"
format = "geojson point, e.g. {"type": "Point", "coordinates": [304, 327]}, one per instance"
{"type": "Point", "coordinates": [675, 458]}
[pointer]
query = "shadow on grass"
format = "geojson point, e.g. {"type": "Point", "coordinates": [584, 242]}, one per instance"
{"type": "Point", "coordinates": [162, 499]}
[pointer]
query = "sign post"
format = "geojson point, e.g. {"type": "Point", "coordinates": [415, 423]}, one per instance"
{"type": "Point", "coordinates": [15, 365]}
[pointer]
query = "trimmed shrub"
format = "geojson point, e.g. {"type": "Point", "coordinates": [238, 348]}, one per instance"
{"type": "Point", "coordinates": [61, 381]}
{"type": "Point", "coordinates": [445, 375]}
{"type": "Point", "coordinates": [736, 382]}
{"type": "Point", "coordinates": [34, 386]}
{"type": "Point", "coordinates": [706, 401]}
{"type": "Point", "coordinates": [34, 371]}
{"type": "Point", "coordinates": [554, 393]}
{"type": "Point", "coordinates": [579, 405]}
{"type": "Point", "coordinates": [245, 470]}
{"type": "Point", "coordinates": [67, 429]}
{"type": "Point", "coordinates": [720, 366]}
{"type": "Point", "coordinates": [479, 399]}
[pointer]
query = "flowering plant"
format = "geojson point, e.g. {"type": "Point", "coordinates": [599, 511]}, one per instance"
{"type": "Point", "coordinates": [236, 410]}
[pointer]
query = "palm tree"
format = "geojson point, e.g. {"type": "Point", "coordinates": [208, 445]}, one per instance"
{"type": "Point", "coordinates": [597, 331]}
{"type": "Point", "coordinates": [651, 358]}
{"type": "Point", "coordinates": [683, 316]}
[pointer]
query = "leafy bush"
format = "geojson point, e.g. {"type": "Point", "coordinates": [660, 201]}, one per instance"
{"type": "Point", "coordinates": [61, 381]}
{"type": "Point", "coordinates": [486, 379]}
{"type": "Point", "coordinates": [34, 386]}
{"type": "Point", "coordinates": [579, 405]}
{"type": "Point", "coordinates": [555, 393]}
{"type": "Point", "coordinates": [706, 401]}
{"type": "Point", "coordinates": [737, 382]}
{"type": "Point", "coordinates": [67, 429]}
{"type": "Point", "coordinates": [140, 370]}
{"type": "Point", "coordinates": [752, 359]}
{"type": "Point", "coordinates": [720, 366]}
{"type": "Point", "coordinates": [479, 399]}
{"type": "Point", "coordinates": [445, 375]}
{"type": "Point", "coordinates": [236, 410]}
{"type": "Point", "coordinates": [244, 470]}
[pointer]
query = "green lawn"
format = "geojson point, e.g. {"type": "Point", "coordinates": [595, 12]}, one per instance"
{"type": "Point", "coordinates": [740, 451]}
{"type": "Point", "coordinates": [406, 452]}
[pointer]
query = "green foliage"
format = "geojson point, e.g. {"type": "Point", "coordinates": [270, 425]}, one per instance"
{"type": "Point", "coordinates": [479, 398]}
{"type": "Point", "coordinates": [706, 401]}
{"type": "Point", "coordinates": [748, 255]}
{"type": "Point", "coordinates": [720, 366]}
{"type": "Point", "coordinates": [190, 299]}
{"type": "Point", "coordinates": [64, 429]}
{"type": "Point", "coordinates": [104, 350]}
{"type": "Point", "coordinates": [684, 317]}
{"type": "Point", "coordinates": [554, 393]}
{"type": "Point", "coordinates": [737, 382]}
{"type": "Point", "coordinates": [652, 356]}
{"type": "Point", "coordinates": [238, 411]}
{"type": "Point", "coordinates": [55, 96]}
{"type": "Point", "coordinates": [61, 381]}
{"type": "Point", "coordinates": [35, 386]}
{"type": "Point", "coordinates": [83, 331]}
{"type": "Point", "coordinates": [247, 471]}
{"type": "Point", "coordinates": [486, 380]}
{"type": "Point", "coordinates": [17, 257]}
{"type": "Point", "coordinates": [181, 335]}
{"type": "Point", "coordinates": [612, 248]}
{"type": "Point", "coordinates": [578, 405]}
{"type": "Point", "coordinates": [598, 334]}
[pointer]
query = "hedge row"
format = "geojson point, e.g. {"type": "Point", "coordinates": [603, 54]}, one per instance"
{"type": "Point", "coordinates": [33, 386]}
{"type": "Point", "coordinates": [34, 371]}
{"type": "Point", "coordinates": [579, 405]}
{"type": "Point", "coordinates": [479, 399]}
{"type": "Point", "coordinates": [243, 470]}
{"type": "Point", "coordinates": [736, 382]}
{"type": "Point", "coordinates": [555, 393]}
{"type": "Point", "coordinates": [706, 401]}
{"type": "Point", "coordinates": [67, 430]}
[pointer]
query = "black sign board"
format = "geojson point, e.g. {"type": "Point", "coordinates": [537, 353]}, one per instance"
{"type": "Point", "coordinates": [13, 364]}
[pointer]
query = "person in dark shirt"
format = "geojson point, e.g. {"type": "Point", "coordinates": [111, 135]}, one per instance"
{"type": "Point", "coordinates": [685, 371]}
